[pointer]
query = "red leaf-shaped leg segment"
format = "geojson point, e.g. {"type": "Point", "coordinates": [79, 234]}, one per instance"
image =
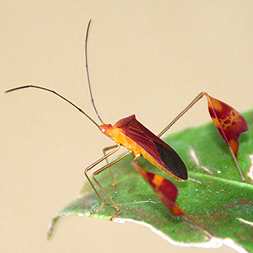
{"type": "Point", "coordinates": [228, 121]}
{"type": "Point", "coordinates": [165, 189]}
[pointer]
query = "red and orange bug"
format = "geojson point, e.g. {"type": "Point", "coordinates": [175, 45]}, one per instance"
{"type": "Point", "coordinates": [138, 140]}
{"type": "Point", "coordinates": [129, 133]}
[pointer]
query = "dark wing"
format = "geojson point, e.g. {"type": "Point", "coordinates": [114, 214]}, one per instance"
{"type": "Point", "coordinates": [158, 149]}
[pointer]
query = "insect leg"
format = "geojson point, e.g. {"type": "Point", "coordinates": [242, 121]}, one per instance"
{"type": "Point", "coordinates": [187, 108]}
{"type": "Point", "coordinates": [165, 189]}
{"type": "Point", "coordinates": [98, 171]}
{"type": "Point", "coordinates": [105, 150]}
{"type": "Point", "coordinates": [192, 222]}
{"type": "Point", "coordinates": [167, 192]}
{"type": "Point", "coordinates": [237, 165]}
{"type": "Point", "coordinates": [92, 166]}
{"type": "Point", "coordinates": [219, 116]}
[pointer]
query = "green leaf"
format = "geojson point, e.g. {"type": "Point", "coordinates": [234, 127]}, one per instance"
{"type": "Point", "coordinates": [214, 195]}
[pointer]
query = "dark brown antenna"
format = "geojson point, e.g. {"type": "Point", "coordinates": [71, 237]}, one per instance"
{"type": "Point", "coordinates": [57, 94]}
{"type": "Point", "coordinates": [87, 72]}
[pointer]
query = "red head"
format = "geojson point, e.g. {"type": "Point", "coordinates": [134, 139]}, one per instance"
{"type": "Point", "coordinates": [105, 128]}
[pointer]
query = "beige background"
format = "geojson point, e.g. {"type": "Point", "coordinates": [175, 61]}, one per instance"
{"type": "Point", "coordinates": [146, 57]}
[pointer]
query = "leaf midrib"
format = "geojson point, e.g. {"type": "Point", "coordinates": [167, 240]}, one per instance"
{"type": "Point", "coordinates": [222, 180]}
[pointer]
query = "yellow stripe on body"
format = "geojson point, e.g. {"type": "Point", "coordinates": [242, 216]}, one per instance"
{"type": "Point", "coordinates": [119, 137]}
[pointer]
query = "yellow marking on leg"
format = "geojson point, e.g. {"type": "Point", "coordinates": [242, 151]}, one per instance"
{"type": "Point", "coordinates": [234, 145]}
{"type": "Point", "coordinates": [216, 122]}
{"type": "Point", "coordinates": [215, 104]}
{"type": "Point", "coordinates": [157, 180]}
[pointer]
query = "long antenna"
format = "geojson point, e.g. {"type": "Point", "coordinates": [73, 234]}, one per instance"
{"type": "Point", "coordinates": [87, 72]}
{"type": "Point", "coordinates": [57, 94]}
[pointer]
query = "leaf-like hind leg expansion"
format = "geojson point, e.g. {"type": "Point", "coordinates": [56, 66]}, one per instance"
{"type": "Point", "coordinates": [105, 150]}
{"type": "Point", "coordinates": [167, 192]}
{"type": "Point", "coordinates": [227, 121]}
